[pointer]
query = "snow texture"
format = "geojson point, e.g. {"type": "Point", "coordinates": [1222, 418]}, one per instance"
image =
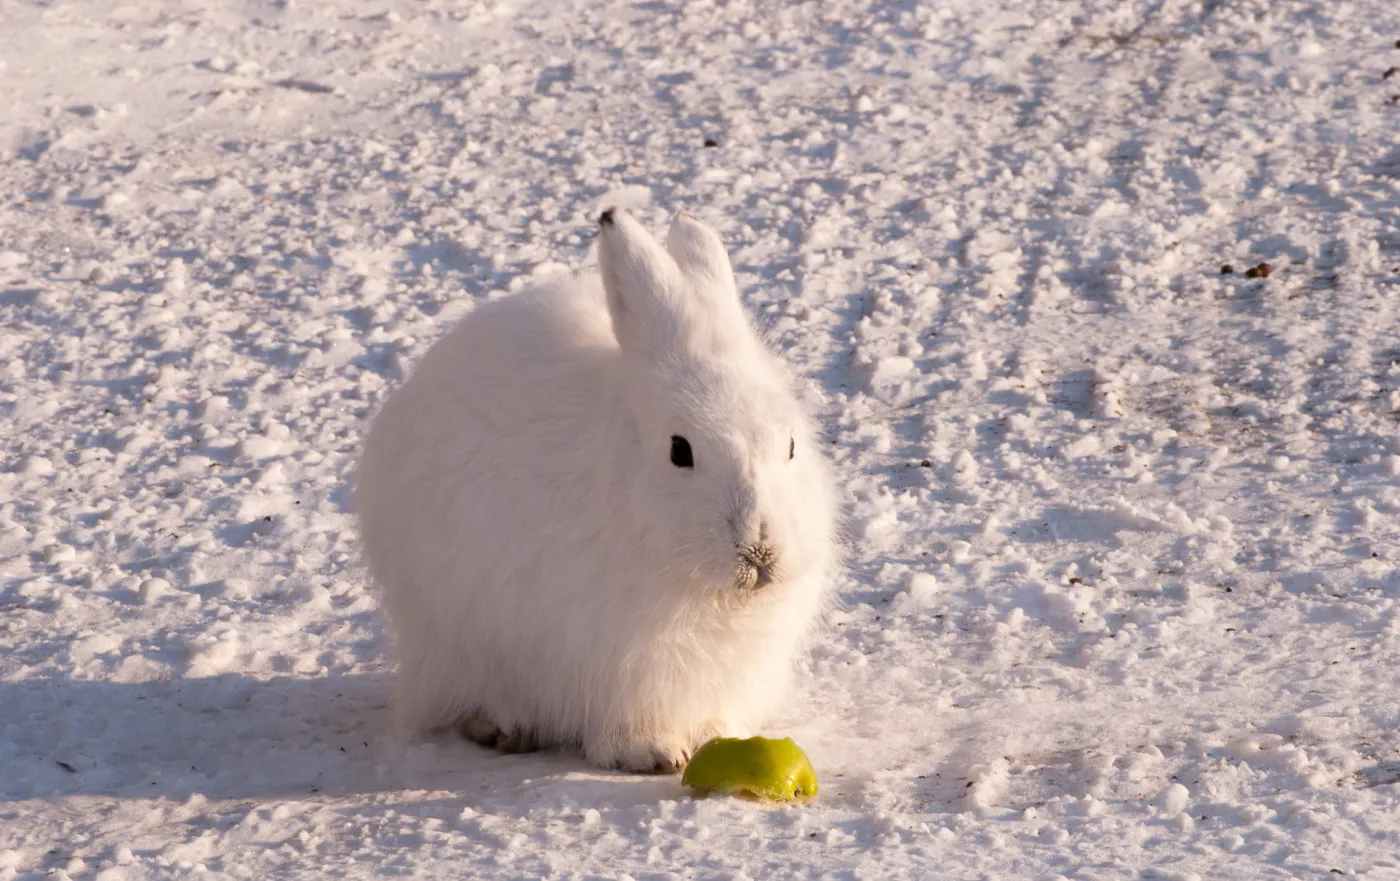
{"type": "Point", "coordinates": [1124, 594]}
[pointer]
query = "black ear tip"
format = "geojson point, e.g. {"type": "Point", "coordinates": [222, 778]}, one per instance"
{"type": "Point", "coordinates": [606, 218]}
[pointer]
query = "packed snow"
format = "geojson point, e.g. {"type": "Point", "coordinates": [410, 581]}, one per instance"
{"type": "Point", "coordinates": [1096, 300]}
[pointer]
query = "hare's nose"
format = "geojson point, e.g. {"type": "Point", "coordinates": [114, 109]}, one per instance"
{"type": "Point", "coordinates": [762, 559]}
{"type": "Point", "coordinates": [760, 555]}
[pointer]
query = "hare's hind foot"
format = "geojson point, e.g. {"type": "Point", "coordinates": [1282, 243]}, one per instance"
{"type": "Point", "coordinates": [480, 728]}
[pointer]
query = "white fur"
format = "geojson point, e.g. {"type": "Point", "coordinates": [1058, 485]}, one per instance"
{"type": "Point", "coordinates": [544, 566]}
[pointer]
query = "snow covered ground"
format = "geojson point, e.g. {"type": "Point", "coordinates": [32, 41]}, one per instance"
{"type": "Point", "coordinates": [1124, 599]}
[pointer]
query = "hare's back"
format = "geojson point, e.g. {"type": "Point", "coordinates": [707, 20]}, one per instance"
{"type": "Point", "coordinates": [484, 436]}
{"type": "Point", "coordinates": [512, 375]}
{"type": "Point", "coordinates": [537, 332]}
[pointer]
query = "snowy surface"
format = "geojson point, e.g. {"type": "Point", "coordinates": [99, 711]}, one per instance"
{"type": "Point", "coordinates": [1124, 530]}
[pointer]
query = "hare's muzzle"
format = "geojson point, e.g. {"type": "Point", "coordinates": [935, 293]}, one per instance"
{"type": "Point", "coordinates": [758, 565]}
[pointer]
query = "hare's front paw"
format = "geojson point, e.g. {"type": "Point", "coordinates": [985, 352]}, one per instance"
{"type": "Point", "coordinates": [478, 727]}
{"type": "Point", "coordinates": [656, 755]}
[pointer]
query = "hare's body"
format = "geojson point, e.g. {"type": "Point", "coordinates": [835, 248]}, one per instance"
{"type": "Point", "coordinates": [550, 577]}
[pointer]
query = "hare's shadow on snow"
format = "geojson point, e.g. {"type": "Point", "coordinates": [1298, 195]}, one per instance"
{"type": "Point", "coordinates": [238, 737]}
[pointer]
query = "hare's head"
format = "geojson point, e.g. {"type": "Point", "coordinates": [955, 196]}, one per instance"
{"type": "Point", "coordinates": [729, 475]}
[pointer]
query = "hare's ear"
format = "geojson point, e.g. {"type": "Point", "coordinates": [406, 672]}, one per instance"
{"type": "Point", "coordinates": [700, 254]}
{"type": "Point", "coordinates": [642, 282]}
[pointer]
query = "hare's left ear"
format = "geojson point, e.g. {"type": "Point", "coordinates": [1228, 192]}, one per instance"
{"type": "Point", "coordinates": [680, 297]}
{"type": "Point", "coordinates": [700, 254]}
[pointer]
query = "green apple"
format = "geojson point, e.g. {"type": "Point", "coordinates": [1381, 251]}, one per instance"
{"type": "Point", "coordinates": [759, 767]}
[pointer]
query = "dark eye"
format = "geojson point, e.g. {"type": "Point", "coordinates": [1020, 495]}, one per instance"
{"type": "Point", "coordinates": [792, 447]}
{"type": "Point", "coordinates": [680, 452]}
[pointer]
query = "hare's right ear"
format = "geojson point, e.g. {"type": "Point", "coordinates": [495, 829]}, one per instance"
{"type": "Point", "coordinates": [643, 284]}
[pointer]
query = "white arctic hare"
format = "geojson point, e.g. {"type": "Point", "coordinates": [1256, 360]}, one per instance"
{"type": "Point", "coordinates": [597, 515]}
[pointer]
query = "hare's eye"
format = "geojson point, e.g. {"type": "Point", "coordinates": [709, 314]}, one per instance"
{"type": "Point", "coordinates": [680, 452]}
{"type": "Point", "coordinates": [792, 447]}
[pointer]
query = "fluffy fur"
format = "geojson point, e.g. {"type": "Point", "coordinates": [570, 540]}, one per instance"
{"type": "Point", "coordinates": [550, 577]}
